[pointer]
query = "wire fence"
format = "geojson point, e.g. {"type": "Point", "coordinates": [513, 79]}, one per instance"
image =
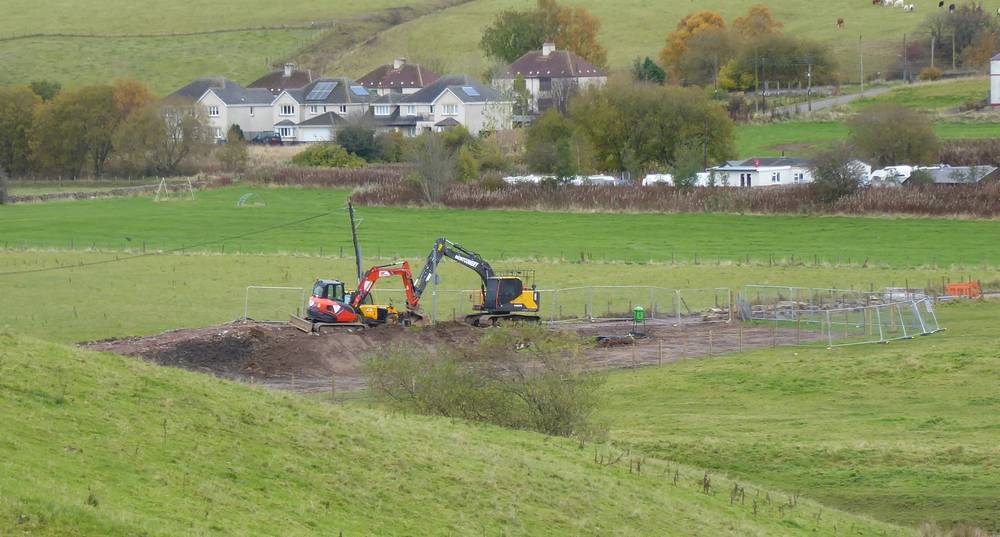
{"type": "Point", "coordinates": [804, 316]}
{"type": "Point", "coordinates": [840, 317]}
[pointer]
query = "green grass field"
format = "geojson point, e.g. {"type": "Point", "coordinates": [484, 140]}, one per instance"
{"type": "Point", "coordinates": [134, 223]}
{"type": "Point", "coordinates": [802, 138]}
{"type": "Point", "coordinates": [903, 432]}
{"type": "Point", "coordinates": [942, 95]}
{"type": "Point", "coordinates": [104, 445]}
{"type": "Point", "coordinates": [152, 294]}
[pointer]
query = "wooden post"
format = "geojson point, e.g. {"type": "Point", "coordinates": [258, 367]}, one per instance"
{"type": "Point", "coordinates": [659, 352]}
{"type": "Point", "coordinates": [741, 336]}
{"type": "Point", "coordinates": [773, 341]}
{"type": "Point", "coordinates": [333, 387]}
{"type": "Point", "coordinates": [710, 344]}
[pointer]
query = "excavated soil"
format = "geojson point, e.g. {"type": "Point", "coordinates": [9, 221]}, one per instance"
{"type": "Point", "coordinates": [279, 356]}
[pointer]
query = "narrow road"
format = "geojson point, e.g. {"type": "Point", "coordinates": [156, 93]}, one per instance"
{"type": "Point", "coordinates": [829, 102]}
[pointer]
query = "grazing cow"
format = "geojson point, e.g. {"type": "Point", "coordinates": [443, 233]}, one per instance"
{"type": "Point", "coordinates": [951, 8]}
{"type": "Point", "coordinates": [876, 2]}
{"type": "Point", "coordinates": [998, 12]}
{"type": "Point", "coordinates": [941, 3]}
{"type": "Point", "coordinates": [840, 22]}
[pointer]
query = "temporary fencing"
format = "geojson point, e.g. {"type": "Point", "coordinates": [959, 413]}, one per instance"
{"type": "Point", "coordinates": [838, 317]}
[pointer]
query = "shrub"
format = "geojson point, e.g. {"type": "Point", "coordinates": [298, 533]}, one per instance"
{"type": "Point", "coordinates": [3, 187]}
{"type": "Point", "coordinates": [522, 377]}
{"type": "Point", "coordinates": [358, 140]}
{"type": "Point", "coordinates": [389, 146]}
{"type": "Point", "coordinates": [890, 134]}
{"type": "Point", "coordinates": [835, 174]}
{"type": "Point", "coordinates": [930, 73]}
{"type": "Point", "coordinates": [329, 156]}
{"type": "Point", "coordinates": [233, 155]}
{"type": "Point", "coordinates": [466, 165]}
{"type": "Point", "coordinates": [235, 133]}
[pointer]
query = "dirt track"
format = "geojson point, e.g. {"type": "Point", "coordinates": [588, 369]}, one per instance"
{"type": "Point", "coordinates": [285, 358]}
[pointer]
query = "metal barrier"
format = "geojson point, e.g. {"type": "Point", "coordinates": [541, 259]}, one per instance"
{"type": "Point", "coordinates": [276, 307]}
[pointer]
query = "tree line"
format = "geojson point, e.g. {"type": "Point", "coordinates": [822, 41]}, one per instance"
{"type": "Point", "coordinates": [89, 130]}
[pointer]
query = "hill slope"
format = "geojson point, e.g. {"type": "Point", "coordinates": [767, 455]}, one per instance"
{"type": "Point", "coordinates": [96, 444]}
{"type": "Point", "coordinates": [425, 30]}
{"type": "Point", "coordinates": [904, 432]}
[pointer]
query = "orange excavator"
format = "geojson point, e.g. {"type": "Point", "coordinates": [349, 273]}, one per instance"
{"type": "Point", "coordinates": [331, 305]}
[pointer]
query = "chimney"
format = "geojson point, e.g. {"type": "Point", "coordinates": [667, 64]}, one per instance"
{"type": "Point", "coordinates": [289, 67]}
{"type": "Point", "coordinates": [398, 62]}
{"type": "Point", "coordinates": [548, 48]}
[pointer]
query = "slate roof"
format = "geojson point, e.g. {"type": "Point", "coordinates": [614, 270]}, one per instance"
{"type": "Point", "coordinates": [953, 175]}
{"type": "Point", "coordinates": [556, 64]}
{"type": "Point", "coordinates": [328, 119]}
{"type": "Point", "coordinates": [230, 92]}
{"type": "Point", "coordinates": [285, 123]}
{"type": "Point", "coordinates": [408, 76]}
{"type": "Point", "coordinates": [199, 86]}
{"type": "Point", "coordinates": [276, 81]}
{"type": "Point", "coordinates": [455, 83]}
{"type": "Point", "coordinates": [447, 122]}
{"type": "Point", "coordinates": [341, 93]}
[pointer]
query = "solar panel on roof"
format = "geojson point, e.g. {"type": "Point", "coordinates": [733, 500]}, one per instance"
{"type": "Point", "coordinates": [470, 91]}
{"type": "Point", "coordinates": [360, 91]}
{"type": "Point", "coordinates": [321, 91]}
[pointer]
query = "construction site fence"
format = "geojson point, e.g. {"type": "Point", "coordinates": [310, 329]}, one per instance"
{"type": "Point", "coordinates": [592, 303]}
{"type": "Point", "coordinates": [840, 317]}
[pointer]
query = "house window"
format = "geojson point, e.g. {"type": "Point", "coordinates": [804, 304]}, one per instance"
{"type": "Point", "coordinates": [213, 111]}
{"type": "Point", "coordinates": [285, 132]}
{"type": "Point", "coordinates": [411, 110]}
{"type": "Point", "coordinates": [450, 109]}
{"type": "Point", "coordinates": [545, 84]}
{"type": "Point", "coordinates": [343, 109]}
{"type": "Point", "coordinates": [324, 109]}
{"type": "Point", "coordinates": [218, 132]}
{"type": "Point", "coordinates": [251, 111]}
{"type": "Point", "coordinates": [745, 180]}
{"type": "Point", "coordinates": [799, 177]}
{"type": "Point", "coordinates": [287, 110]}
{"type": "Point", "coordinates": [432, 108]}
{"type": "Point", "coordinates": [775, 177]}
{"type": "Point", "coordinates": [381, 110]}
{"type": "Point", "coordinates": [312, 109]}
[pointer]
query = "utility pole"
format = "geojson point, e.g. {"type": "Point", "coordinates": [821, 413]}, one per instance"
{"type": "Point", "coordinates": [861, 64]}
{"type": "Point", "coordinates": [906, 69]}
{"type": "Point", "coordinates": [354, 236]}
{"type": "Point", "coordinates": [809, 86]}
{"type": "Point", "coordinates": [933, 42]}
{"type": "Point", "coordinates": [952, 51]}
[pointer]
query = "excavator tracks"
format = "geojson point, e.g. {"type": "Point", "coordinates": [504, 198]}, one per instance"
{"type": "Point", "coordinates": [497, 319]}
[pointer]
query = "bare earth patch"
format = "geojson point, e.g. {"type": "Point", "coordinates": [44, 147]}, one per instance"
{"type": "Point", "coordinates": [279, 356]}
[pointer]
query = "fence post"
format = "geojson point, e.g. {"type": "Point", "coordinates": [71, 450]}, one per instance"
{"type": "Point", "coordinates": [246, 303]}
{"type": "Point", "coordinates": [878, 319]}
{"type": "Point", "coordinates": [651, 305]}
{"type": "Point", "coordinates": [829, 330]}
{"type": "Point", "coordinates": [590, 304]}
{"type": "Point", "coordinates": [677, 305]}
{"type": "Point", "coordinates": [902, 322]}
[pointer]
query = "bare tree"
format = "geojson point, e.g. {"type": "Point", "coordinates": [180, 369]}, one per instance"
{"type": "Point", "coordinates": [434, 166]}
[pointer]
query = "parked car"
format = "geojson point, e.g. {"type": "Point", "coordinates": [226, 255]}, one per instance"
{"type": "Point", "coordinates": [267, 138]}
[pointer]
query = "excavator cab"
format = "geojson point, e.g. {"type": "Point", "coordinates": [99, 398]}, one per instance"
{"type": "Point", "coordinates": [507, 294]}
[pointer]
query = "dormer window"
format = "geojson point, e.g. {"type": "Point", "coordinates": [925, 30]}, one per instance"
{"type": "Point", "coordinates": [381, 110]}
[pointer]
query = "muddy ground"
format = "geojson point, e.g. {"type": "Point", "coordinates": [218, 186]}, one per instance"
{"type": "Point", "coordinates": [279, 356]}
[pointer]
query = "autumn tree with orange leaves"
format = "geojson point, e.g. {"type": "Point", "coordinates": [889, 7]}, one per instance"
{"type": "Point", "coordinates": [687, 28]}
{"type": "Point", "coordinates": [758, 22]}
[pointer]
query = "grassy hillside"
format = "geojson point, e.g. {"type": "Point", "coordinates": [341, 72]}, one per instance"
{"type": "Point", "coordinates": [942, 95]}
{"type": "Point", "coordinates": [103, 445]}
{"type": "Point", "coordinates": [448, 38]}
{"type": "Point", "coordinates": [153, 294]}
{"type": "Point", "coordinates": [213, 216]}
{"type": "Point", "coordinates": [802, 138]}
{"type": "Point", "coordinates": [165, 63]}
{"type": "Point", "coordinates": [634, 28]}
{"type": "Point", "coordinates": [903, 432]}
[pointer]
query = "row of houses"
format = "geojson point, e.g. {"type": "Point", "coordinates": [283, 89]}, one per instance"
{"type": "Point", "coordinates": [404, 97]}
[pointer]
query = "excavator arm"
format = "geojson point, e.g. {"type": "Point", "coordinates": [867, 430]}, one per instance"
{"type": "Point", "coordinates": [445, 248]}
{"type": "Point", "coordinates": [367, 283]}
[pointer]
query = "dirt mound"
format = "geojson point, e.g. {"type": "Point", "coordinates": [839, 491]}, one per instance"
{"type": "Point", "coordinates": [281, 356]}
